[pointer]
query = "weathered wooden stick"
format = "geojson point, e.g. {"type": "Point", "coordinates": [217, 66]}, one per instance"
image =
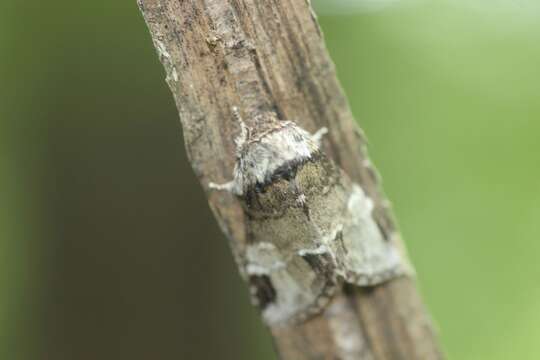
{"type": "Point", "coordinates": [269, 57]}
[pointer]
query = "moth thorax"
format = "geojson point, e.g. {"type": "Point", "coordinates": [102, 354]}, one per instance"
{"type": "Point", "coordinates": [272, 153]}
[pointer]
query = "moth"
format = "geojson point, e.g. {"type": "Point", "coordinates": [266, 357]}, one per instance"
{"type": "Point", "coordinates": [310, 228]}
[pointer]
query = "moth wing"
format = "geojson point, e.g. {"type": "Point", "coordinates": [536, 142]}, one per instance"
{"type": "Point", "coordinates": [367, 258]}
{"type": "Point", "coordinates": [289, 290]}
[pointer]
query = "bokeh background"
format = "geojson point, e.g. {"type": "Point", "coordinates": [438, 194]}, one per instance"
{"type": "Point", "coordinates": [109, 251]}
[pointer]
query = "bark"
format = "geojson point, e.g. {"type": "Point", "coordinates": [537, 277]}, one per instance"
{"type": "Point", "coordinates": [269, 56]}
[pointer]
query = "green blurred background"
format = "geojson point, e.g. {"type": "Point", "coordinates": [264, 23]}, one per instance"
{"type": "Point", "coordinates": [108, 249]}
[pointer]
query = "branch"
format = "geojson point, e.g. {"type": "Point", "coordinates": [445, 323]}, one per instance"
{"type": "Point", "coordinates": [269, 60]}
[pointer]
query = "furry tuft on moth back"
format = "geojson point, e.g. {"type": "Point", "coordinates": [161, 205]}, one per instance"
{"type": "Point", "coordinates": [261, 151]}
{"type": "Point", "coordinates": [309, 226]}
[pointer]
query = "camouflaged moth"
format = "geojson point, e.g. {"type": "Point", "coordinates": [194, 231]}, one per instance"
{"type": "Point", "coordinates": [310, 228]}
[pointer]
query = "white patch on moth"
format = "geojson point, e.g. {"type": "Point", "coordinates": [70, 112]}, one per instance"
{"type": "Point", "coordinates": [229, 186]}
{"type": "Point", "coordinates": [263, 259]}
{"type": "Point", "coordinates": [369, 255]}
{"type": "Point", "coordinates": [254, 269]}
{"type": "Point", "coordinates": [265, 156]}
{"type": "Point", "coordinates": [359, 203]}
{"type": "Point", "coordinates": [321, 249]}
{"type": "Point", "coordinates": [291, 300]}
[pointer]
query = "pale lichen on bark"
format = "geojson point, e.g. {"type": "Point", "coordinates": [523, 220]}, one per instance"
{"type": "Point", "coordinates": [269, 57]}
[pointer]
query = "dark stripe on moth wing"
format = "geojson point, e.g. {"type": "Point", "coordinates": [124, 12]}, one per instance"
{"type": "Point", "coordinates": [305, 209]}
{"type": "Point", "coordinates": [286, 171]}
{"type": "Point", "coordinates": [264, 290]}
{"type": "Point", "coordinates": [339, 239]}
{"type": "Point", "coordinates": [320, 263]}
{"type": "Point", "coordinates": [384, 222]}
{"type": "Point", "coordinates": [341, 248]}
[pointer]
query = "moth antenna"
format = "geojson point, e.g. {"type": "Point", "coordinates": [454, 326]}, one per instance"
{"type": "Point", "coordinates": [317, 137]}
{"type": "Point", "coordinates": [229, 186]}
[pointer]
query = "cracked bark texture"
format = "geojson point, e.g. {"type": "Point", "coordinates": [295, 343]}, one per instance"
{"type": "Point", "coordinates": [265, 56]}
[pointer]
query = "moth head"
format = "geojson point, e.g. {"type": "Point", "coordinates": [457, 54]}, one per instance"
{"type": "Point", "coordinates": [268, 148]}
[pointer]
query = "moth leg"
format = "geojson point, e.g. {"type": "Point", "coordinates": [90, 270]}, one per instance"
{"type": "Point", "coordinates": [317, 137]}
{"type": "Point", "coordinates": [228, 186]}
{"type": "Point", "coordinates": [240, 141]}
